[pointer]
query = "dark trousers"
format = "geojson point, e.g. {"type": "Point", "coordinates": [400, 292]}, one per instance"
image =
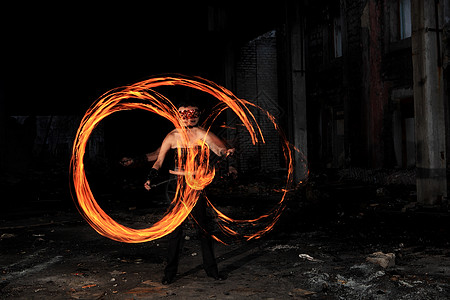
{"type": "Point", "coordinates": [175, 241]}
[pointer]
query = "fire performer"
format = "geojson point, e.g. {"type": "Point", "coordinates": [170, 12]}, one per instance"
{"type": "Point", "coordinates": [197, 145]}
{"type": "Point", "coordinates": [190, 114]}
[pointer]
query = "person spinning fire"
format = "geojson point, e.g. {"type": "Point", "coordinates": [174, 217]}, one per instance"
{"type": "Point", "coordinates": [190, 114]}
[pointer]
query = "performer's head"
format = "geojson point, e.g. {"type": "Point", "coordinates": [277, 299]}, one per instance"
{"type": "Point", "coordinates": [189, 113]}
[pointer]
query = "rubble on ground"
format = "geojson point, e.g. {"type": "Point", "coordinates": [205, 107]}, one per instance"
{"type": "Point", "coordinates": [334, 240]}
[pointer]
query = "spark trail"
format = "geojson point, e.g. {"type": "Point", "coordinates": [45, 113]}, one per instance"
{"type": "Point", "coordinates": [142, 95]}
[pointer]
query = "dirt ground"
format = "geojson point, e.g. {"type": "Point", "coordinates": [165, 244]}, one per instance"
{"type": "Point", "coordinates": [318, 250]}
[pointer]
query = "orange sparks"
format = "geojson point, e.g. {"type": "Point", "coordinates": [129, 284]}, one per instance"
{"type": "Point", "coordinates": [198, 171]}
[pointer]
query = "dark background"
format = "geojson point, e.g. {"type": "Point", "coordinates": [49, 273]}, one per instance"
{"type": "Point", "coordinates": [57, 59]}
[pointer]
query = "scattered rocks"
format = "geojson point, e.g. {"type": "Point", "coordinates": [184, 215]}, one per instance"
{"type": "Point", "coordinates": [385, 260]}
{"type": "Point", "coordinates": [281, 247]}
{"type": "Point", "coordinates": [7, 236]}
{"type": "Point", "coordinates": [308, 257]}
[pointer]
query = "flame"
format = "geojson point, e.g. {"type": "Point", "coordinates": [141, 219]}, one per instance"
{"type": "Point", "coordinates": [198, 171]}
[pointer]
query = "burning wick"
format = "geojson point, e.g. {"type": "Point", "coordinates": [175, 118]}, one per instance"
{"type": "Point", "coordinates": [142, 96]}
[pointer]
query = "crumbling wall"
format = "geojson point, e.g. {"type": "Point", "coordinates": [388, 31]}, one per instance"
{"type": "Point", "coordinates": [257, 82]}
{"type": "Point", "coordinates": [333, 89]}
{"type": "Point", "coordinates": [353, 100]}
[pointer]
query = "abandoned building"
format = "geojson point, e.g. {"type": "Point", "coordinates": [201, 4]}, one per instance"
{"type": "Point", "coordinates": [345, 79]}
{"type": "Point", "coordinates": [349, 84]}
{"type": "Point", "coordinates": [356, 86]}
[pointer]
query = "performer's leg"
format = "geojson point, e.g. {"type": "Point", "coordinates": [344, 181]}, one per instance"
{"type": "Point", "coordinates": [173, 254]}
{"type": "Point", "coordinates": [207, 242]}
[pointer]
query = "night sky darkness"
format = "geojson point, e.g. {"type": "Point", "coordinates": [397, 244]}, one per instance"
{"type": "Point", "coordinates": [59, 59]}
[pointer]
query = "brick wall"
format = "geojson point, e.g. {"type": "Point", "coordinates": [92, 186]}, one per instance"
{"type": "Point", "coordinates": [257, 82]}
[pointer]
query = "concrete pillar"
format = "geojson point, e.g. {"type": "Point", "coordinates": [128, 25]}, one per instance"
{"type": "Point", "coordinates": [429, 101]}
{"type": "Point", "coordinates": [298, 93]}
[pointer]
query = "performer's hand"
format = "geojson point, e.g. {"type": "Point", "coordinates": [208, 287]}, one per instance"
{"type": "Point", "coordinates": [152, 175]}
{"type": "Point", "coordinates": [126, 161]}
{"type": "Point", "coordinates": [230, 152]}
{"type": "Point", "coordinates": [147, 185]}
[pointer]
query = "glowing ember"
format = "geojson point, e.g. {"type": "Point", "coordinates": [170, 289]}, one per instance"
{"type": "Point", "coordinates": [142, 96]}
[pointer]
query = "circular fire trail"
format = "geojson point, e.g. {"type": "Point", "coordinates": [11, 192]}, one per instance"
{"type": "Point", "coordinates": [142, 96]}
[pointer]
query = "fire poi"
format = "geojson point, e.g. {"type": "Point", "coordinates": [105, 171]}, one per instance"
{"type": "Point", "coordinates": [142, 96]}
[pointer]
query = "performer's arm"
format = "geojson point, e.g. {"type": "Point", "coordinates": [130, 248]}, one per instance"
{"type": "Point", "coordinates": [220, 149]}
{"type": "Point", "coordinates": [165, 147]}
{"type": "Point", "coordinates": [217, 145]}
{"type": "Point", "coordinates": [153, 156]}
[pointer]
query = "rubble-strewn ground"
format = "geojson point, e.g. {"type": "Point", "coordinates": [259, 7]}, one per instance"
{"type": "Point", "coordinates": [318, 250]}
